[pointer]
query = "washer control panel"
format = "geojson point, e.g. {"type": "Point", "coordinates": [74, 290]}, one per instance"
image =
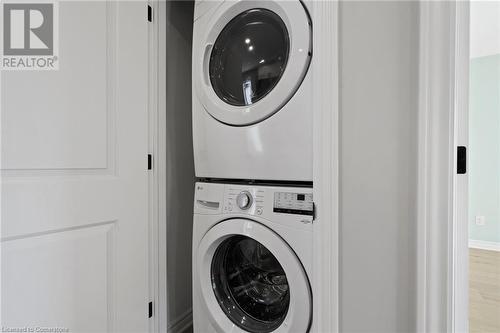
{"type": "Point", "coordinates": [293, 203]}
{"type": "Point", "coordinates": [268, 201]}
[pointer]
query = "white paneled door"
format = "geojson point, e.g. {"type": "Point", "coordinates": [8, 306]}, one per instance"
{"type": "Point", "coordinates": [74, 195]}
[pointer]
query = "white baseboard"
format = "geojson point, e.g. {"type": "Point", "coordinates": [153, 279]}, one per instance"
{"type": "Point", "coordinates": [182, 323]}
{"type": "Point", "coordinates": [484, 245]}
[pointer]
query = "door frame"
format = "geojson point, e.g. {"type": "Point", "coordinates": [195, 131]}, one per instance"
{"type": "Point", "coordinates": [158, 172]}
{"type": "Point", "coordinates": [326, 129]}
{"type": "Point", "coordinates": [442, 197]}
{"type": "Point", "coordinates": [459, 257]}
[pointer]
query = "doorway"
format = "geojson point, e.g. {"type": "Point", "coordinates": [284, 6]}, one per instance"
{"type": "Point", "coordinates": [484, 167]}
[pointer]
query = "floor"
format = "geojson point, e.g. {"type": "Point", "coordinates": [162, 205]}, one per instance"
{"type": "Point", "coordinates": [484, 291]}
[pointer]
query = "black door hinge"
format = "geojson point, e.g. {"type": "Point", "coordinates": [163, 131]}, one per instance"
{"type": "Point", "coordinates": [314, 211]}
{"type": "Point", "coordinates": [150, 14]}
{"type": "Point", "coordinates": [150, 161]}
{"type": "Point", "coordinates": [461, 160]}
{"type": "Point", "coordinates": [150, 309]}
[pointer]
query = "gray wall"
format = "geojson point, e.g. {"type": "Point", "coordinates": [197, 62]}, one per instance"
{"type": "Point", "coordinates": [180, 165]}
{"type": "Point", "coordinates": [378, 117]}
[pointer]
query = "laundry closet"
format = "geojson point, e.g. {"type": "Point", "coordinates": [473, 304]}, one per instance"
{"type": "Point", "coordinates": [252, 129]}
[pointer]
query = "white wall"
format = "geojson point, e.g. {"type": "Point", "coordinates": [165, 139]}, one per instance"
{"type": "Point", "coordinates": [180, 164]}
{"type": "Point", "coordinates": [484, 28]}
{"type": "Point", "coordinates": [378, 157]}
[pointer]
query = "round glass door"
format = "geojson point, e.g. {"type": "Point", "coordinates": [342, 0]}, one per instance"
{"type": "Point", "coordinates": [250, 284]}
{"type": "Point", "coordinates": [249, 57]}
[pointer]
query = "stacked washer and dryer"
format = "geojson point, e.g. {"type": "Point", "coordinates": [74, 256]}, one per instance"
{"type": "Point", "coordinates": [252, 136]}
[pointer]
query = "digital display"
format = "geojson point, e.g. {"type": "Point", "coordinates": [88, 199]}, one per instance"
{"type": "Point", "coordinates": [293, 203]}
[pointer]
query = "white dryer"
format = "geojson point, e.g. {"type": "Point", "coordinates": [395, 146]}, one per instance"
{"type": "Point", "coordinates": [252, 97]}
{"type": "Point", "coordinates": [252, 259]}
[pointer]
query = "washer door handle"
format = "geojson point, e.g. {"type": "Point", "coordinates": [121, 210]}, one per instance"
{"type": "Point", "coordinates": [206, 61]}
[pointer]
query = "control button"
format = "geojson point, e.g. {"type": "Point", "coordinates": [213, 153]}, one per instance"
{"type": "Point", "coordinates": [259, 211]}
{"type": "Point", "coordinates": [244, 200]}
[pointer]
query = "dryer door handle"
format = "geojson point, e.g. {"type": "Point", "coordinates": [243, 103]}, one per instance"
{"type": "Point", "coordinates": [206, 63]}
{"type": "Point", "coordinates": [208, 204]}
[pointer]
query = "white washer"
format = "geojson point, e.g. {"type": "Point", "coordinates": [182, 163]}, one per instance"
{"type": "Point", "coordinates": [252, 258]}
{"type": "Point", "coordinates": [252, 96]}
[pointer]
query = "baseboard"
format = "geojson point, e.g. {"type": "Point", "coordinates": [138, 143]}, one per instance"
{"type": "Point", "coordinates": [484, 245]}
{"type": "Point", "coordinates": [182, 323]}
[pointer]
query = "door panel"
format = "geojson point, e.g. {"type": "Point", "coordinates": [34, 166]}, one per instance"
{"type": "Point", "coordinates": [63, 274]}
{"type": "Point", "coordinates": [74, 177]}
{"type": "Point", "coordinates": [62, 103]}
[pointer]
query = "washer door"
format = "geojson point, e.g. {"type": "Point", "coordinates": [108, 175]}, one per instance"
{"type": "Point", "coordinates": [251, 280]}
{"type": "Point", "coordinates": [252, 59]}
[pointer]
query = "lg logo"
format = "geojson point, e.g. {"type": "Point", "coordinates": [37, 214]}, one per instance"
{"type": "Point", "coordinates": [28, 29]}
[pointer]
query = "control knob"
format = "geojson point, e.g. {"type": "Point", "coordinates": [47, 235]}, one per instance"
{"type": "Point", "coordinates": [244, 200]}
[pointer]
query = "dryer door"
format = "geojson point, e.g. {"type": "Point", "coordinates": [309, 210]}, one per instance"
{"type": "Point", "coordinates": [251, 280]}
{"type": "Point", "coordinates": [252, 58]}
